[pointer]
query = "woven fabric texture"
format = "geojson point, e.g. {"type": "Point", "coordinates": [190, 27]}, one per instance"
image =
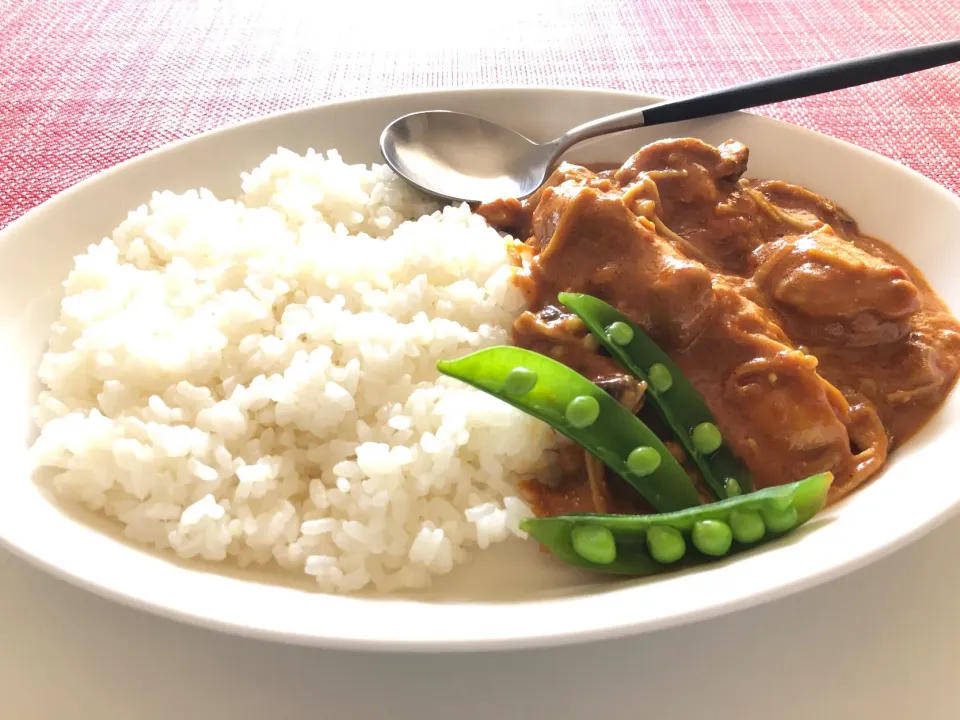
{"type": "Point", "coordinates": [85, 84]}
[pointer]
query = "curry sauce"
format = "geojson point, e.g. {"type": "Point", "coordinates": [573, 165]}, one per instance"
{"type": "Point", "coordinates": [816, 347]}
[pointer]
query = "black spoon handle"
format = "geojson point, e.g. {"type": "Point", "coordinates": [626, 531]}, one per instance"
{"type": "Point", "coordinates": [801, 83]}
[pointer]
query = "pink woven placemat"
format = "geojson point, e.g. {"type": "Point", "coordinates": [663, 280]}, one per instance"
{"type": "Point", "coordinates": [85, 84]}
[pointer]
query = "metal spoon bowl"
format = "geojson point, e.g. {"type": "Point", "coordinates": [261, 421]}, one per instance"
{"type": "Point", "coordinates": [457, 156]}
{"type": "Point", "coordinates": [461, 157]}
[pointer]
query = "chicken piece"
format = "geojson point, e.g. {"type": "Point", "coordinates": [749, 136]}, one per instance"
{"type": "Point", "coordinates": [786, 408]}
{"type": "Point", "coordinates": [696, 165]}
{"type": "Point", "coordinates": [702, 209]}
{"type": "Point", "coordinates": [823, 275]}
{"type": "Point", "coordinates": [901, 379]}
{"type": "Point", "coordinates": [773, 408]}
{"type": "Point", "coordinates": [857, 298]}
{"type": "Point", "coordinates": [508, 215]}
{"type": "Point", "coordinates": [592, 243]}
{"type": "Point", "coordinates": [514, 216]}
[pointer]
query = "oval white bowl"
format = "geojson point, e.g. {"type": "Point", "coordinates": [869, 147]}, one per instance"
{"type": "Point", "coordinates": [512, 596]}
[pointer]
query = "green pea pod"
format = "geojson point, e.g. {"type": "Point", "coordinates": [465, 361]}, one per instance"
{"type": "Point", "coordinates": [680, 405]}
{"type": "Point", "coordinates": [551, 391]}
{"type": "Point", "coordinates": [773, 511]}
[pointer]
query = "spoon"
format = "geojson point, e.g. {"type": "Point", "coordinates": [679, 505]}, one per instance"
{"type": "Point", "coordinates": [463, 157]}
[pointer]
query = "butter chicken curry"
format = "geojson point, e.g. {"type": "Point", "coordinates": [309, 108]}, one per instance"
{"type": "Point", "coordinates": [816, 347]}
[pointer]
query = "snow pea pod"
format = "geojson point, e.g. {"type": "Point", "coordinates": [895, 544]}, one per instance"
{"type": "Point", "coordinates": [671, 394]}
{"type": "Point", "coordinates": [628, 544]}
{"type": "Point", "coordinates": [577, 408]}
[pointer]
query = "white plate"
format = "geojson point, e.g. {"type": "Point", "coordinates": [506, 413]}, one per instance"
{"type": "Point", "coordinates": [513, 597]}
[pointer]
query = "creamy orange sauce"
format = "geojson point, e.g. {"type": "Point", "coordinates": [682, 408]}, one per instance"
{"type": "Point", "coordinates": [816, 347]}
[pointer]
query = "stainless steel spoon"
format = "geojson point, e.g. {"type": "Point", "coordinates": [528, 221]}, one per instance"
{"type": "Point", "coordinates": [463, 157]}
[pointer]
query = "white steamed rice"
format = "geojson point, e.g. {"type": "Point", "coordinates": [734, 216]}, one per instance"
{"type": "Point", "coordinates": [254, 381]}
